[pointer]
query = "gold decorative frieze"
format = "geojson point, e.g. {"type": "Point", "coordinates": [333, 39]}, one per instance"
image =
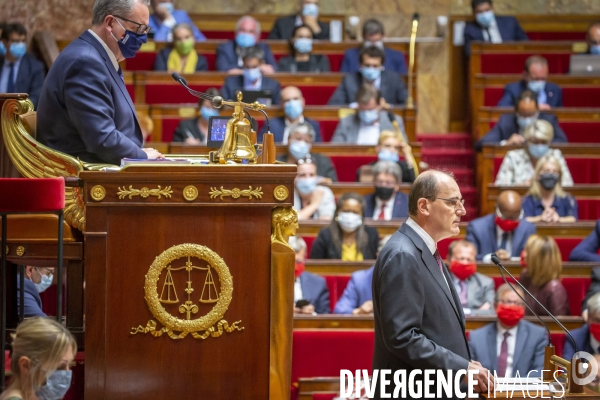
{"type": "Point", "coordinates": [236, 193]}
{"type": "Point", "coordinates": [281, 193]}
{"type": "Point", "coordinates": [144, 192]}
{"type": "Point", "coordinates": [190, 193]}
{"type": "Point", "coordinates": [20, 251]}
{"type": "Point", "coordinates": [98, 193]}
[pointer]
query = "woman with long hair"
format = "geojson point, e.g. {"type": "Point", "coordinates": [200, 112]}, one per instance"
{"type": "Point", "coordinates": [301, 58]}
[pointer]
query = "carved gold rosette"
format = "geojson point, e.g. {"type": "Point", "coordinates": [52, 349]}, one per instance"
{"type": "Point", "coordinates": [281, 193]}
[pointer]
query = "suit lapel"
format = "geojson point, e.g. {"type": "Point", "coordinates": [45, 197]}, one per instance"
{"type": "Point", "coordinates": [306, 288]}
{"type": "Point", "coordinates": [516, 240]}
{"type": "Point", "coordinates": [493, 235]}
{"type": "Point", "coordinates": [493, 346]}
{"type": "Point", "coordinates": [520, 340]}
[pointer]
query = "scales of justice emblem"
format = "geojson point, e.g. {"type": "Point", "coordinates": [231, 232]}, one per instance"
{"type": "Point", "coordinates": [210, 324]}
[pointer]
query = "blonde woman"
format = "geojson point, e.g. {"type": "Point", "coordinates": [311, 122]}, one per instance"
{"type": "Point", "coordinates": [42, 351]}
{"type": "Point", "coordinates": [542, 275]}
{"type": "Point", "coordinates": [546, 200]}
{"type": "Point", "coordinates": [391, 147]}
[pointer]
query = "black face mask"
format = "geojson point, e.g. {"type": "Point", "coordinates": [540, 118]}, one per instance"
{"type": "Point", "coordinates": [548, 181]}
{"type": "Point", "coordinates": [384, 193]}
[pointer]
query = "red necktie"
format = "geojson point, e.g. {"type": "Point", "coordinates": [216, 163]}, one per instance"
{"type": "Point", "coordinates": [438, 259]}
{"type": "Point", "coordinates": [381, 216]}
{"type": "Point", "coordinates": [503, 357]}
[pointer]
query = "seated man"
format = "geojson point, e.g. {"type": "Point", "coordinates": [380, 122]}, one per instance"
{"type": "Point", "coordinates": [511, 345]}
{"type": "Point", "coordinates": [20, 72]}
{"type": "Point", "coordinates": [247, 34]}
{"type": "Point", "coordinates": [165, 17]}
{"type": "Point", "coordinates": [587, 337]}
{"type": "Point", "coordinates": [475, 290]}
{"type": "Point", "coordinates": [293, 108]}
{"type": "Point", "coordinates": [311, 295]}
{"type": "Point", "coordinates": [587, 250]}
{"type": "Point", "coordinates": [371, 73]}
{"type": "Point", "coordinates": [36, 281]}
{"type": "Point", "coordinates": [504, 232]}
{"type": "Point", "coordinates": [365, 126]}
{"type": "Point", "coordinates": [535, 79]}
{"type": "Point", "coordinates": [510, 127]}
{"type": "Point", "coordinates": [307, 14]}
{"type": "Point", "coordinates": [373, 35]}
{"type": "Point", "coordinates": [252, 78]}
{"type": "Point", "coordinates": [593, 38]}
{"type": "Point", "coordinates": [388, 202]}
{"type": "Point", "coordinates": [491, 28]}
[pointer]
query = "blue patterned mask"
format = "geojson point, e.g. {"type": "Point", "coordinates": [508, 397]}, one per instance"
{"type": "Point", "coordinates": [131, 42]}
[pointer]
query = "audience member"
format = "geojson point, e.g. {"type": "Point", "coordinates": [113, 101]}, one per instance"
{"type": "Point", "coordinates": [517, 167]}
{"type": "Point", "coordinates": [146, 125]}
{"type": "Point", "coordinates": [311, 200]}
{"type": "Point", "coordinates": [388, 202]}
{"type": "Point", "coordinates": [181, 56]}
{"type": "Point", "coordinates": [491, 28]}
{"type": "Point", "coordinates": [546, 201]}
{"type": "Point", "coordinates": [347, 238]}
{"type": "Point", "coordinates": [587, 250]}
{"type": "Point", "coordinates": [302, 136]}
{"type": "Point", "coordinates": [541, 276]}
{"type": "Point", "coordinates": [365, 126]}
{"type": "Point", "coordinates": [475, 290]}
{"type": "Point", "coordinates": [373, 35]}
{"type": "Point", "coordinates": [587, 338]}
{"type": "Point", "coordinates": [247, 34]}
{"type": "Point", "coordinates": [42, 352]}
{"type": "Point", "coordinates": [36, 281]}
{"type": "Point", "coordinates": [165, 17]}
{"type": "Point", "coordinates": [20, 71]}
{"type": "Point", "coordinates": [301, 58]}
{"type": "Point", "coordinates": [510, 346]}
{"type": "Point", "coordinates": [388, 148]}
{"type": "Point", "coordinates": [535, 78]}
{"type": "Point", "coordinates": [308, 15]}
{"type": "Point", "coordinates": [311, 295]}
{"type": "Point", "coordinates": [593, 38]}
{"type": "Point", "coordinates": [252, 77]}
{"type": "Point", "coordinates": [293, 108]}
{"type": "Point", "coordinates": [371, 73]}
{"type": "Point", "coordinates": [503, 232]}
{"type": "Point", "coordinates": [195, 131]}
{"type": "Point", "coordinates": [510, 127]}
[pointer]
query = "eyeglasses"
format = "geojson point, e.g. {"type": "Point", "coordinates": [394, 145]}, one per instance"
{"type": "Point", "coordinates": [142, 29]}
{"type": "Point", "coordinates": [306, 160]}
{"type": "Point", "coordinates": [456, 203]}
{"type": "Point", "coordinates": [511, 303]}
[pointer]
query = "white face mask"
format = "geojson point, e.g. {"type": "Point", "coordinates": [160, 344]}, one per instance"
{"type": "Point", "coordinates": [349, 221]}
{"type": "Point", "coordinates": [45, 283]}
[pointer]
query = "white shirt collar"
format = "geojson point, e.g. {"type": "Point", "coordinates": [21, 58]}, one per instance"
{"type": "Point", "coordinates": [110, 53]}
{"type": "Point", "coordinates": [512, 331]}
{"type": "Point", "coordinates": [300, 120]}
{"type": "Point", "coordinates": [431, 245]}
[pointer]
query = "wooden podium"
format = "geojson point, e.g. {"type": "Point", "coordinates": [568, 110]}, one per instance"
{"type": "Point", "coordinates": [189, 286]}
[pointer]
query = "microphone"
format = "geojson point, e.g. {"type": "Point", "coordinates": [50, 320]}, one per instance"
{"type": "Point", "coordinates": [179, 78]}
{"type": "Point", "coordinates": [415, 16]}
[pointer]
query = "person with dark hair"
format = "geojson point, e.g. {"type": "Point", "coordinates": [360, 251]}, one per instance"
{"type": "Point", "coordinates": [20, 71]}
{"type": "Point", "coordinates": [166, 17]}
{"type": "Point", "coordinates": [181, 56]}
{"type": "Point", "coordinates": [195, 131]}
{"type": "Point", "coordinates": [593, 38]}
{"type": "Point", "coordinates": [37, 280]}
{"type": "Point", "coordinates": [371, 73]}
{"type": "Point", "coordinates": [373, 34]}
{"type": "Point", "coordinates": [307, 14]}
{"type": "Point", "coordinates": [535, 78]}
{"type": "Point", "coordinates": [491, 28]}
{"type": "Point", "coordinates": [301, 58]}
{"type": "Point", "coordinates": [347, 237]}
{"type": "Point", "coordinates": [387, 202]}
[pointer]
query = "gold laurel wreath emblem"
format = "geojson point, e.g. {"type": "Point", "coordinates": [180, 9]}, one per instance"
{"type": "Point", "coordinates": [144, 192]}
{"type": "Point", "coordinates": [236, 193]}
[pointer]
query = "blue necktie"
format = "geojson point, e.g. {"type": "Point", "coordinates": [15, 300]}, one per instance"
{"type": "Point", "coordinates": [10, 87]}
{"type": "Point", "coordinates": [120, 72]}
{"type": "Point", "coordinates": [504, 240]}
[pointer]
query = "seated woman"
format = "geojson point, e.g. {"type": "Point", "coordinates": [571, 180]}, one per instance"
{"type": "Point", "coordinates": [347, 238]}
{"type": "Point", "coordinates": [301, 58]}
{"type": "Point", "coordinates": [517, 166]}
{"type": "Point", "coordinates": [388, 148]}
{"type": "Point", "coordinates": [546, 201]}
{"type": "Point", "coordinates": [541, 275]}
{"type": "Point", "coordinates": [310, 200]}
{"type": "Point", "coordinates": [181, 57]}
{"type": "Point", "coordinates": [300, 141]}
{"type": "Point", "coordinates": [195, 131]}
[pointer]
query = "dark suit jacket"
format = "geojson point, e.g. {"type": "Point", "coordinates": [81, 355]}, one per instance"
{"type": "Point", "coordinates": [314, 289]}
{"type": "Point", "coordinates": [392, 89]}
{"type": "Point", "coordinates": [284, 26]}
{"type": "Point", "coordinates": [507, 125]}
{"type": "Point", "coordinates": [316, 63]}
{"type": "Point", "coordinates": [419, 322]}
{"type": "Point", "coordinates": [188, 125]}
{"type": "Point", "coordinates": [356, 293]}
{"type": "Point", "coordinates": [85, 109]}
{"type": "Point", "coordinates": [482, 232]}
{"type": "Point", "coordinates": [30, 77]}
{"type": "Point", "coordinates": [587, 250]}
{"type": "Point", "coordinates": [278, 126]}
{"type": "Point", "coordinates": [582, 338]}
{"type": "Point", "coordinates": [32, 300]}
{"type": "Point", "coordinates": [323, 163]}
{"type": "Point", "coordinates": [529, 347]}
{"type": "Point", "coordinates": [513, 90]}
{"type": "Point", "coordinates": [394, 61]}
{"type": "Point", "coordinates": [509, 28]}
{"type": "Point", "coordinates": [236, 82]}
{"type": "Point", "coordinates": [160, 63]}
{"type": "Point", "coordinates": [323, 247]}
{"type": "Point", "coordinates": [227, 57]}
{"type": "Point", "coordinates": [400, 209]}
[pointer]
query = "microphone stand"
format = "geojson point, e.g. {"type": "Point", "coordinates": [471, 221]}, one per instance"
{"type": "Point", "coordinates": [410, 101]}
{"type": "Point", "coordinates": [411, 159]}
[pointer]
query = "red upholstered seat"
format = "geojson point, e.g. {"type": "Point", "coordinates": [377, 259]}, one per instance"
{"type": "Point", "coordinates": [346, 166]}
{"type": "Point", "coordinates": [143, 61]}
{"type": "Point", "coordinates": [32, 195]}
{"type": "Point", "coordinates": [581, 132]}
{"type": "Point", "coordinates": [324, 396]}
{"type": "Point", "coordinates": [566, 245]}
{"type": "Point", "coordinates": [572, 97]}
{"type": "Point", "coordinates": [513, 63]}
{"type": "Point", "coordinates": [588, 209]}
{"type": "Point", "coordinates": [556, 36]}
{"type": "Point", "coordinates": [309, 242]}
{"type": "Point", "coordinates": [583, 170]}
{"type": "Point", "coordinates": [558, 341]}
{"type": "Point", "coordinates": [336, 285]}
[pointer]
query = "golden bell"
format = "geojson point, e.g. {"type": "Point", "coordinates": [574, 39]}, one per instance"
{"type": "Point", "coordinates": [238, 145]}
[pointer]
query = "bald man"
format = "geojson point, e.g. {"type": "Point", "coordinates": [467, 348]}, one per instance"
{"type": "Point", "coordinates": [504, 232]}
{"type": "Point", "coordinates": [593, 38]}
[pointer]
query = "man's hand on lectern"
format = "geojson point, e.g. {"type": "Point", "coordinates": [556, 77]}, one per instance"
{"type": "Point", "coordinates": [483, 378]}
{"type": "Point", "coordinates": [152, 153]}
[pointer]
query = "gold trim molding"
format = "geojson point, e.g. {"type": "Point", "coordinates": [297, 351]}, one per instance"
{"type": "Point", "coordinates": [190, 193]}
{"type": "Point", "coordinates": [98, 193]}
{"type": "Point", "coordinates": [236, 193]}
{"type": "Point", "coordinates": [144, 192]}
{"type": "Point", "coordinates": [281, 193]}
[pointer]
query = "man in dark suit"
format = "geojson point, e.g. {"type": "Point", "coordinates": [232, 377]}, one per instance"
{"type": "Point", "coordinates": [510, 127]}
{"type": "Point", "coordinates": [587, 337]}
{"type": "Point", "coordinates": [85, 109]}
{"type": "Point", "coordinates": [504, 232]}
{"type": "Point", "coordinates": [247, 34]}
{"type": "Point", "coordinates": [20, 72]}
{"type": "Point", "coordinates": [251, 78]}
{"type": "Point", "coordinates": [309, 287]}
{"type": "Point", "coordinates": [307, 14]}
{"type": "Point", "coordinates": [388, 202]}
{"type": "Point", "coordinates": [389, 83]}
{"type": "Point", "coordinates": [419, 323]}
{"type": "Point", "coordinates": [373, 34]}
{"type": "Point", "coordinates": [535, 78]}
{"type": "Point", "coordinates": [587, 250]}
{"type": "Point", "coordinates": [522, 343]}
{"type": "Point", "coordinates": [488, 27]}
{"type": "Point", "coordinates": [34, 277]}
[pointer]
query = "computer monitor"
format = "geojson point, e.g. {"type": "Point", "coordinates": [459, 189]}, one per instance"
{"type": "Point", "coordinates": [262, 96]}
{"type": "Point", "coordinates": [217, 128]}
{"type": "Point", "coordinates": [585, 65]}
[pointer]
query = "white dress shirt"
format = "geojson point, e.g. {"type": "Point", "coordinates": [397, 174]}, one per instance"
{"type": "Point", "coordinates": [111, 55]}
{"type": "Point", "coordinates": [429, 242]}
{"type": "Point", "coordinates": [388, 207]}
{"type": "Point", "coordinates": [494, 32]}
{"type": "Point", "coordinates": [297, 290]}
{"type": "Point", "coordinates": [368, 134]}
{"type": "Point", "coordinates": [286, 131]}
{"type": "Point", "coordinates": [511, 342]}
{"type": "Point", "coordinates": [499, 232]}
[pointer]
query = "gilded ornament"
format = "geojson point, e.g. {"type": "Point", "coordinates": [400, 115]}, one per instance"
{"type": "Point", "coordinates": [144, 192]}
{"type": "Point", "coordinates": [281, 193]}
{"type": "Point", "coordinates": [7, 249]}
{"type": "Point", "coordinates": [20, 251]}
{"type": "Point", "coordinates": [236, 193]}
{"type": "Point", "coordinates": [284, 222]}
{"type": "Point", "coordinates": [190, 193]}
{"type": "Point", "coordinates": [98, 192]}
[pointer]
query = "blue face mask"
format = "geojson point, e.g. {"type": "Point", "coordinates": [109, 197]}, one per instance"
{"type": "Point", "coordinates": [303, 45]}
{"type": "Point", "coordinates": [208, 112]}
{"type": "Point", "coordinates": [245, 39]}
{"type": "Point", "coordinates": [485, 18]}
{"type": "Point", "coordinates": [167, 6]}
{"type": "Point", "coordinates": [56, 386]}
{"type": "Point", "coordinates": [251, 74]}
{"type": "Point", "coordinates": [370, 73]}
{"type": "Point", "coordinates": [44, 283]}
{"type": "Point", "coordinates": [293, 108]}
{"type": "Point", "coordinates": [368, 116]}
{"type": "Point", "coordinates": [310, 10]}
{"type": "Point", "coordinates": [387, 155]}
{"type": "Point", "coordinates": [306, 185]}
{"type": "Point", "coordinates": [299, 149]}
{"type": "Point", "coordinates": [130, 43]}
{"type": "Point", "coordinates": [18, 50]}
{"type": "Point", "coordinates": [524, 122]}
{"type": "Point", "coordinates": [537, 150]}
{"type": "Point", "coordinates": [595, 49]}
{"type": "Point", "coordinates": [537, 86]}
{"type": "Point", "coordinates": [2, 48]}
